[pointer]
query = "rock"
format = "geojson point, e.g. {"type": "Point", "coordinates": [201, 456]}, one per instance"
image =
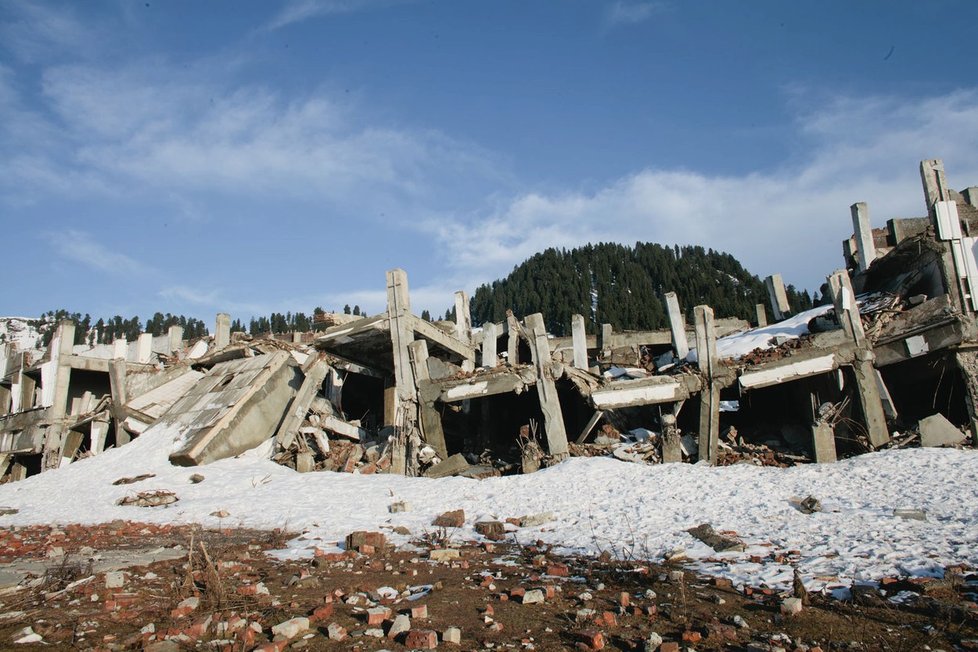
{"type": "Point", "coordinates": [115, 579]}
{"type": "Point", "coordinates": [791, 606]}
{"type": "Point", "coordinates": [400, 625]}
{"type": "Point", "coordinates": [196, 478]}
{"type": "Point", "coordinates": [163, 646]}
{"type": "Point", "coordinates": [149, 499]}
{"type": "Point", "coordinates": [221, 513]}
{"type": "Point", "coordinates": [936, 430]}
{"type": "Point", "coordinates": [443, 554]}
{"type": "Point", "coordinates": [5, 511]}
{"type": "Point", "coordinates": [336, 632]}
{"type": "Point", "coordinates": [911, 514]}
{"type": "Point", "coordinates": [739, 621]}
{"type": "Point", "coordinates": [809, 505]}
{"type": "Point", "coordinates": [453, 519]}
{"type": "Point", "coordinates": [452, 635]}
{"type": "Point", "coordinates": [291, 628]}
{"type": "Point", "coordinates": [492, 530]}
{"type": "Point", "coordinates": [535, 520]}
{"type": "Point", "coordinates": [717, 541]}
{"type": "Point", "coordinates": [27, 635]}
{"type": "Point", "coordinates": [533, 596]}
{"type": "Point", "coordinates": [592, 638]}
{"type": "Point", "coordinates": [399, 506]}
{"type": "Point", "coordinates": [652, 643]}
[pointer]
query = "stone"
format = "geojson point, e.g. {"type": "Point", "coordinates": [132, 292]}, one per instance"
{"type": "Point", "coordinates": [492, 530]}
{"type": "Point", "coordinates": [535, 520]}
{"type": "Point", "coordinates": [533, 596]}
{"type": "Point", "coordinates": [336, 632]}
{"type": "Point", "coordinates": [400, 625]}
{"type": "Point", "coordinates": [936, 431]}
{"type": "Point", "coordinates": [115, 579]}
{"type": "Point", "coordinates": [452, 635]}
{"type": "Point", "coordinates": [791, 606]}
{"type": "Point", "coordinates": [910, 514]}
{"type": "Point", "coordinates": [421, 639]}
{"type": "Point", "coordinates": [443, 554]}
{"type": "Point", "coordinates": [291, 628]}
{"type": "Point", "coordinates": [454, 519]}
{"type": "Point", "coordinates": [652, 643]}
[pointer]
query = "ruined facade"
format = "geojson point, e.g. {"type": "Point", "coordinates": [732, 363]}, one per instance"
{"type": "Point", "coordinates": [893, 360]}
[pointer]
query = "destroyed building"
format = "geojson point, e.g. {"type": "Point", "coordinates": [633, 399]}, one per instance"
{"type": "Point", "coordinates": [892, 361]}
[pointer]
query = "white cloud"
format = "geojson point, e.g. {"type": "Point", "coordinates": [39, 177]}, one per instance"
{"type": "Point", "coordinates": [791, 220]}
{"type": "Point", "coordinates": [296, 11]}
{"type": "Point", "coordinates": [33, 31]}
{"type": "Point", "coordinates": [631, 13]}
{"type": "Point", "coordinates": [80, 247]}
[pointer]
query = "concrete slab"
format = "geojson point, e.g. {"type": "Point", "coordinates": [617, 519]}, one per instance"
{"type": "Point", "coordinates": [936, 431]}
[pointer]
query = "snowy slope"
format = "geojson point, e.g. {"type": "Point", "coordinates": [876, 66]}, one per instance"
{"type": "Point", "coordinates": [19, 331]}
{"type": "Point", "coordinates": [599, 504]}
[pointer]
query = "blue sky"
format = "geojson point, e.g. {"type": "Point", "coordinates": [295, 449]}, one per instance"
{"type": "Point", "coordinates": [253, 157]}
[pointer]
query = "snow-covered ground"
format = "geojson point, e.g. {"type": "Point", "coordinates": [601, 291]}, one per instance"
{"type": "Point", "coordinates": [19, 331]}
{"type": "Point", "coordinates": [599, 504]}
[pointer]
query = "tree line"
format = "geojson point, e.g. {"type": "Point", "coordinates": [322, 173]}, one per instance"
{"type": "Point", "coordinates": [106, 331]}
{"type": "Point", "coordinates": [624, 286]}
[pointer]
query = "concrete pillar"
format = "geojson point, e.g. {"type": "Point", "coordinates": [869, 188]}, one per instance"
{"type": "Point", "coordinates": [65, 341]}
{"type": "Point", "coordinates": [144, 348]}
{"type": "Point", "coordinates": [463, 317]}
{"type": "Point", "coordinates": [175, 339]}
{"type": "Point", "coordinates": [579, 338]}
{"type": "Point", "coordinates": [865, 245]}
{"type": "Point", "coordinates": [512, 339]}
{"type": "Point", "coordinates": [605, 344]}
{"type": "Point", "coordinates": [222, 330]}
{"type": "Point", "coordinates": [970, 195]}
{"type": "Point", "coordinates": [846, 309]}
{"type": "Point", "coordinates": [761, 315]}
{"type": "Point", "coordinates": [4, 401]}
{"type": "Point", "coordinates": [403, 413]}
{"type": "Point", "coordinates": [672, 449]}
{"type": "Point", "coordinates": [677, 325]}
{"type": "Point", "coordinates": [100, 430]}
{"type": "Point", "coordinates": [553, 418]}
{"type": "Point", "coordinates": [706, 353]}
{"type": "Point", "coordinates": [117, 386]}
{"type": "Point", "coordinates": [934, 182]}
{"type": "Point", "coordinates": [431, 426]}
{"type": "Point", "coordinates": [120, 349]}
{"type": "Point", "coordinates": [778, 296]}
{"type": "Point", "coordinates": [297, 337]}
{"type": "Point", "coordinates": [489, 338]}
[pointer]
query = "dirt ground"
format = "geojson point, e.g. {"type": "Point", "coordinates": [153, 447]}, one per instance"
{"type": "Point", "coordinates": [221, 591]}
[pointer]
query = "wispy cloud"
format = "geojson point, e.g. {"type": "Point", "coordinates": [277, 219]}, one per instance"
{"type": "Point", "coordinates": [211, 299]}
{"type": "Point", "coordinates": [296, 11]}
{"type": "Point", "coordinates": [33, 31]}
{"type": "Point", "coordinates": [791, 220]}
{"type": "Point", "coordinates": [80, 247]}
{"type": "Point", "coordinates": [631, 13]}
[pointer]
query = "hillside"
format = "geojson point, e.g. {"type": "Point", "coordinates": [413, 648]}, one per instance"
{"type": "Point", "coordinates": [624, 286]}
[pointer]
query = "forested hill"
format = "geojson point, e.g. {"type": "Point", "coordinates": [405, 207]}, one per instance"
{"type": "Point", "coordinates": [624, 286]}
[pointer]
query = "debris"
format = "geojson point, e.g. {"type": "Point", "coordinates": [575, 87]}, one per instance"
{"type": "Point", "coordinates": [936, 431]}
{"type": "Point", "coordinates": [453, 519]}
{"type": "Point", "coordinates": [134, 479]}
{"type": "Point", "coordinates": [149, 498]}
{"type": "Point", "coordinates": [717, 541]}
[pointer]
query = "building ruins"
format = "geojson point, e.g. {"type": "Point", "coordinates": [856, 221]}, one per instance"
{"type": "Point", "coordinates": [892, 361]}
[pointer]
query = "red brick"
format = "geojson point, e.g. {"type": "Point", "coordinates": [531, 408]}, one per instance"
{"type": "Point", "coordinates": [421, 611]}
{"type": "Point", "coordinates": [592, 638]}
{"type": "Point", "coordinates": [691, 636]}
{"type": "Point", "coordinates": [322, 612]}
{"type": "Point", "coordinates": [274, 646]}
{"type": "Point", "coordinates": [558, 570]}
{"type": "Point", "coordinates": [609, 619]}
{"type": "Point", "coordinates": [454, 519]}
{"type": "Point", "coordinates": [669, 646]}
{"type": "Point", "coordinates": [421, 639]}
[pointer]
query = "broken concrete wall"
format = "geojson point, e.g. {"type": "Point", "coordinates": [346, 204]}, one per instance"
{"type": "Point", "coordinates": [236, 406]}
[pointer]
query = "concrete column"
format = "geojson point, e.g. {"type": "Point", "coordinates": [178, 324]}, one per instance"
{"type": "Point", "coordinates": [846, 309]}
{"type": "Point", "coordinates": [934, 182]}
{"type": "Point", "coordinates": [175, 339]}
{"type": "Point", "coordinates": [677, 325]}
{"type": "Point", "coordinates": [144, 348]}
{"type": "Point", "coordinates": [120, 349]}
{"type": "Point", "coordinates": [706, 353]}
{"type": "Point", "coordinates": [463, 325]}
{"type": "Point", "coordinates": [403, 413]}
{"type": "Point", "coordinates": [823, 443]}
{"type": "Point", "coordinates": [778, 296]}
{"type": "Point", "coordinates": [489, 337]}
{"type": "Point", "coordinates": [100, 430]}
{"type": "Point", "coordinates": [431, 426]}
{"type": "Point", "coordinates": [865, 245]}
{"type": "Point", "coordinates": [579, 338]}
{"type": "Point", "coordinates": [553, 418]}
{"type": "Point", "coordinates": [512, 338]}
{"type": "Point", "coordinates": [4, 401]}
{"type": "Point", "coordinates": [61, 350]}
{"type": "Point", "coordinates": [672, 450]}
{"type": "Point", "coordinates": [761, 315]}
{"type": "Point", "coordinates": [117, 386]}
{"type": "Point", "coordinates": [605, 343]}
{"type": "Point", "coordinates": [222, 330]}
{"type": "Point", "coordinates": [971, 195]}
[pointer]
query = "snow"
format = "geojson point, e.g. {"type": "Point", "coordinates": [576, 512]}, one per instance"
{"type": "Point", "coordinates": [740, 344]}
{"type": "Point", "coordinates": [632, 510]}
{"type": "Point", "coordinates": [20, 332]}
